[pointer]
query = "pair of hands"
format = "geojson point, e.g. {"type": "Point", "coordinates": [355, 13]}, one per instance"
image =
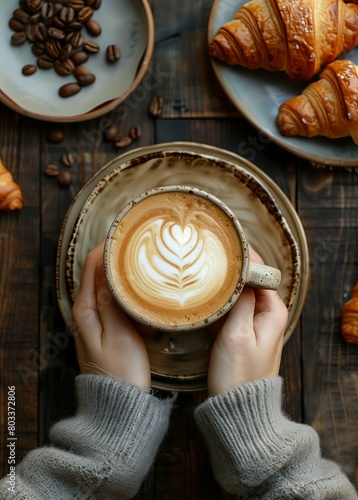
{"type": "Point", "coordinates": [248, 344]}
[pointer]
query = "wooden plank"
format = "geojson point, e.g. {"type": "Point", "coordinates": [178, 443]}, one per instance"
{"type": "Point", "coordinates": [19, 291]}
{"type": "Point", "coordinates": [185, 78]}
{"type": "Point", "coordinates": [328, 205]}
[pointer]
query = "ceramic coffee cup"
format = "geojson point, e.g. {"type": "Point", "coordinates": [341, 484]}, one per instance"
{"type": "Point", "coordinates": [176, 259]}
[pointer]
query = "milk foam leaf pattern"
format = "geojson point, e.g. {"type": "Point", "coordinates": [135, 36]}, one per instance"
{"type": "Point", "coordinates": [177, 264]}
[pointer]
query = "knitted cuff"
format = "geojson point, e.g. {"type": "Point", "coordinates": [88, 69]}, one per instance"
{"type": "Point", "coordinates": [247, 433]}
{"type": "Point", "coordinates": [111, 416]}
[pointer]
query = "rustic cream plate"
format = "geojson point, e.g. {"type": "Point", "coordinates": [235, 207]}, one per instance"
{"type": "Point", "coordinates": [257, 94]}
{"type": "Point", "coordinates": [271, 224]}
{"type": "Point", "coordinates": [128, 23]}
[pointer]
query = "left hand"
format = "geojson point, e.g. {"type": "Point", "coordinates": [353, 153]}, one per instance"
{"type": "Point", "coordinates": [106, 340]}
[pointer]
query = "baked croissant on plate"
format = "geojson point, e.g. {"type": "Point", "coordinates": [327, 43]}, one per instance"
{"type": "Point", "coordinates": [327, 107]}
{"type": "Point", "coordinates": [10, 192]}
{"type": "Point", "coordinates": [350, 318]}
{"type": "Point", "coordinates": [298, 37]}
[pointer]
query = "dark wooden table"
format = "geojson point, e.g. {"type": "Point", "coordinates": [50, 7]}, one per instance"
{"type": "Point", "coordinates": [320, 369]}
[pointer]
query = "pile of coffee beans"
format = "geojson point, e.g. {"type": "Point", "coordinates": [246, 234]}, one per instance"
{"type": "Point", "coordinates": [54, 29]}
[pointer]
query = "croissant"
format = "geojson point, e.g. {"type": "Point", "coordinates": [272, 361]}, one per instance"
{"type": "Point", "coordinates": [327, 107]}
{"type": "Point", "coordinates": [10, 192]}
{"type": "Point", "coordinates": [350, 318]}
{"type": "Point", "coordinates": [297, 37]}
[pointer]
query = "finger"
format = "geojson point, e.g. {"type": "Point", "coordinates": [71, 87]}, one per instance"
{"type": "Point", "coordinates": [240, 319]}
{"type": "Point", "coordinates": [254, 256]}
{"type": "Point", "coordinates": [84, 312]}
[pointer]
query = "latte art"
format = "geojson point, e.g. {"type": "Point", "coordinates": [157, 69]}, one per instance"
{"type": "Point", "coordinates": [176, 264]}
{"type": "Point", "coordinates": [175, 258]}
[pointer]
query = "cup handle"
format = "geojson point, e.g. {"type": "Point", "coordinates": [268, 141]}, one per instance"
{"type": "Point", "coordinates": [262, 276]}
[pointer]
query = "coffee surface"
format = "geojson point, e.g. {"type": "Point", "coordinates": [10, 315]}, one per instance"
{"type": "Point", "coordinates": [176, 258]}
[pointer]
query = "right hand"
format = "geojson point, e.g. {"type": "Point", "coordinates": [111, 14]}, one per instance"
{"type": "Point", "coordinates": [249, 344]}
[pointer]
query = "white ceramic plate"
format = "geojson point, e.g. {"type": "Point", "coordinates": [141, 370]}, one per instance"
{"type": "Point", "coordinates": [128, 23]}
{"type": "Point", "coordinates": [271, 224]}
{"type": "Point", "coordinates": [258, 94]}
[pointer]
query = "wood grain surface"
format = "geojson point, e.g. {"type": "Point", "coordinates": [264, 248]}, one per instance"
{"type": "Point", "coordinates": [38, 358]}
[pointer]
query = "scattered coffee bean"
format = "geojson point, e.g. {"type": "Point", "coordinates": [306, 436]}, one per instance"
{"type": "Point", "coordinates": [156, 106]}
{"type": "Point", "coordinates": [111, 133]}
{"type": "Point", "coordinates": [55, 135]}
{"type": "Point", "coordinates": [45, 62]}
{"type": "Point", "coordinates": [32, 5]}
{"type": "Point", "coordinates": [68, 159]}
{"type": "Point", "coordinates": [93, 28]}
{"type": "Point", "coordinates": [20, 15]}
{"type": "Point", "coordinates": [64, 178]}
{"type": "Point", "coordinates": [113, 53]}
{"type": "Point", "coordinates": [29, 69]}
{"type": "Point", "coordinates": [85, 14]}
{"type": "Point", "coordinates": [18, 38]}
{"type": "Point", "coordinates": [53, 27]}
{"type": "Point", "coordinates": [16, 25]}
{"type": "Point", "coordinates": [69, 89]}
{"type": "Point", "coordinates": [52, 170]}
{"type": "Point", "coordinates": [79, 57]}
{"type": "Point", "coordinates": [91, 47]}
{"type": "Point", "coordinates": [123, 141]}
{"type": "Point", "coordinates": [64, 68]}
{"type": "Point", "coordinates": [135, 133]}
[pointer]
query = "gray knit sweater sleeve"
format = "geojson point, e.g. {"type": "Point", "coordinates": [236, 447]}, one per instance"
{"type": "Point", "coordinates": [103, 452]}
{"type": "Point", "coordinates": [258, 453]}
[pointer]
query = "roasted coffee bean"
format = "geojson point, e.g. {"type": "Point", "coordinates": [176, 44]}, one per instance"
{"type": "Point", "coordinates": [57, 7]}
{"type": "Point", "coordinates": [84, 76]}
{"type": "Point", "coordinates": [64, 68]}
{"type": "Point", "coordinates": [75, 26]}
{"type": "Point", "coordinates": [84, 14]}
{"type": "Point", "coordinates": [16, 25]}
{"type": "Point", "coordinates": [38, 48]}
{"type": "Point", "coordinates": [135, 133]}
{"type": "Point", "coordinates": [20, 15]}
{"type": "Point", "coordinates": [93, 27]}
{"type": "Point", "coordinates": [156, 106]}
{"type": "Point", "coordinates": [69, 89]}
{"type": "Point", "coordinates": [86, 80]}
{"type": "Point", "coordinates": [95, 4]}
{"type": "Point", "coordinates": [52, 170]}
{"type": "Point", "coordinates": [123, 141]}
{"type": "Point", "coordinates": [55, 135]}
{"type": "Point", "coordinates": [53, 48]}
{"type": "Point", "coordinates": [110, 133]}
{"type": "Point", "coordinates": [76, 4]}
{"type": "Point", "coordinates": [113, 53]}
{"type": "Point", "coordinates": [18, 38]}
{"type": "Point", "coordinates": [79, 57]}
{"type": "Point", "coordinates": [67, 15]}
{"type": "Point", "coordinates": [34, 18]}
{"type": "Point", "coordinates": [32, 5]}
{"type": "Point", "coordinates": [58, 23]}
{"type": "Point", "coordinates": [77, 40]}
{"type": "Point", "coordinates": [66, 52]}
{"type": "Point", "coordinates": [30, 32]}
{"type": "Point", "coordinates": [91, 47]}
{"type": "Point", "coordinates": [45, 62]}
{"type": "Point", "coordinates": [64, 178]}
{"type": "Point", "coordinates": [68, 159]}
{"type": "Point", "coordinates": [29, 69]}
{"type": "Point", "coordinates": [47, 10]}
{"type": "Point", "coordinates": [56, 33]}
{"type": "Point", "coordinates": [41, 32]}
